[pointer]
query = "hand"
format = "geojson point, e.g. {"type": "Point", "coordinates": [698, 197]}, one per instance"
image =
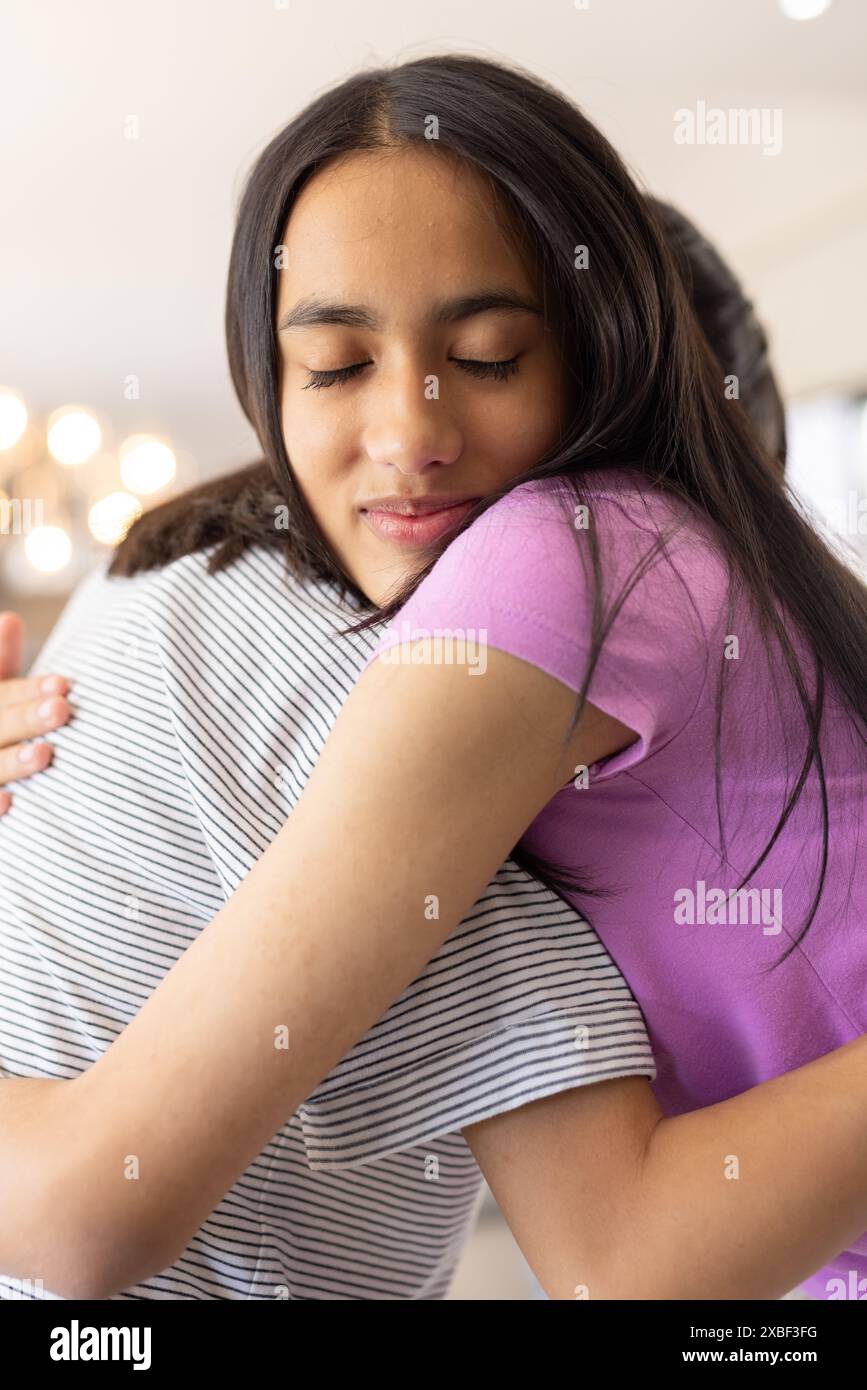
{"type": "Point", "coordinates": [28, 707]}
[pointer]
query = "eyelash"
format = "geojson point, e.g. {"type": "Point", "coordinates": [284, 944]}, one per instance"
{"type": "Point", "coordinates": [497, 371]}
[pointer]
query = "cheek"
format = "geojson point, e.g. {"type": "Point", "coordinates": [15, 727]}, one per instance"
{"type": "Point", "coordinates": [517, 431]}
{"type": "Point", "coordinates": [307, 430]}
{"type": "Point", "coordinates": [319, 450]}
{"type": "Point", "coordinates": [322, 467]}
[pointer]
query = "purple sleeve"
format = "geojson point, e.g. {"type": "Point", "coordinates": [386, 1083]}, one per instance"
{"type": "Point", "coordinates": [520, 579]}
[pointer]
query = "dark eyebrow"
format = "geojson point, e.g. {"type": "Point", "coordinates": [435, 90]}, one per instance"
{"type": "Point", "coordinates": [313, 310]}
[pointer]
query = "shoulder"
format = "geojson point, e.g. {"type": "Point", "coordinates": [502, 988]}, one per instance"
{"type": "Point", "coordinates": [628, 515]}
{"type": "Point", "coordinates": [247, 619]}
{"type": "Point", "coordinates": [531, 569]}
{"type": "Point", "coordinates": [253, 621]}
{"type": "Point", "coordinates": [619, 591]}
{"type": "Point", "coordinates": [541, 533]}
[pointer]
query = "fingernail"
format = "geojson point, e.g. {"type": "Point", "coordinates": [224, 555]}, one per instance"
{"type": "Point", "coordinates": [47, 710]}
{"type": "Point", "coordinates": [51, 685]}
{"type": "Point", "coordinates": [27, 753]}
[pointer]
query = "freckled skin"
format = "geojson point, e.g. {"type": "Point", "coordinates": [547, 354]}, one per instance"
{"type": "Point", "coordinates": [394, 231]}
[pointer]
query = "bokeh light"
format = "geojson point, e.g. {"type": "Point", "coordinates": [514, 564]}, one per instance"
{"type": "Point", "coordinates": [74, 435]}
{"type": "Point", "coordinates": [48, 548]}
{"type": "Point", "coordinates": [146, 464]}
{"type": "Point", "coordinates": [13, 418]}
{"type": "Point", "coordinates": [804, 9]}
{"type": "Point", "coordinates": [110, 518]}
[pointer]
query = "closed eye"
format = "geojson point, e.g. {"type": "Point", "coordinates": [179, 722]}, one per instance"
{"type": "Point", "coordinates": [317, 380]}
{"type": "Point", "coordinates": [498, 371]}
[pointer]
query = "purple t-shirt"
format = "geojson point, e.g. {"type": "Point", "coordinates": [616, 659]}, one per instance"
{"type": "Point", "coordinates": [643, 824]}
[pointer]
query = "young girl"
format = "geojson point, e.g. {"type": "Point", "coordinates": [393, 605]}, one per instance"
{"type": "Point", "coordinates": [446, 313]}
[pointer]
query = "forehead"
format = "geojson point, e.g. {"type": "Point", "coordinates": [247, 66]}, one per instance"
{"type": "Point", "coordinates": [406, 222]}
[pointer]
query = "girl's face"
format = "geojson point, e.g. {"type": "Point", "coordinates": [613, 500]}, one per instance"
{"type": "Point", "coordinates": [416, 371]}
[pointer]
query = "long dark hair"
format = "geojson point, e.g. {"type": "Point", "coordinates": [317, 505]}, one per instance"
{"type": "Point", "coordinates": [727, 317]}
{"type": "Point", "coordinates": [648, 388]}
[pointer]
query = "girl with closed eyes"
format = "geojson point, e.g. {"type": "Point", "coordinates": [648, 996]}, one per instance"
{"type": "Point", "coordinates": [487, 408]}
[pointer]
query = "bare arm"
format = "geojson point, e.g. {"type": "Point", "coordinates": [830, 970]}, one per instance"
{"type": "Point", "coordinates": [743, 1199]}
{"type": "Point", "coordinates": [332, 923]}
{"type": "Point", "coordinates": [323, 934]}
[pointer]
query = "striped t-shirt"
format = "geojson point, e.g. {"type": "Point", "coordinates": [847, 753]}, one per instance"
{"type": "Point", "coordinates": [201, 704]}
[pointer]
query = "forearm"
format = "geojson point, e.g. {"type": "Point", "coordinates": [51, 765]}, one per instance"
{"type": "Point", "coordinates": [746, 1198]}
{"type": "Point", "coordinates": [343, 910]}
{"type": "Point", "coordinates": [34, 1128]}
{"type": "Point", "coordinates": [216, 1084]}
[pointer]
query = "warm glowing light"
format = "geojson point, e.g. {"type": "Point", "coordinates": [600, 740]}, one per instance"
{"type": "Point", "coordinates": [146, 464]}
{"type": "Point", "coordinates": [110, 518]}
{"type": "Point", "coordinates": [13, 418]}
{"type": "Point", "coordinates": [73, 435]}
{"type": "Point", "coordinates": [48, 548]}
{"type": "Point", "coordinates": [803, 9]}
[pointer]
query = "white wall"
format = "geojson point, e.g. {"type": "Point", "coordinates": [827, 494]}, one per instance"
{"type": "Point", "coordinates": [113, 252]}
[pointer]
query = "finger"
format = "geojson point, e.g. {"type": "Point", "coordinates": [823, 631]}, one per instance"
{"type": "Point", "coordinates": [11, 644]}
{"type": "Point", "coordinates": [29, 688]}
{"type": "Point", "coordinates": [5, 802]}
{"type": "Point", "coordinates": [27, 720]}
{"type": "Point", "coordinates": [23, 760]}
{"type": "Point", "coordinates": [15, 692]}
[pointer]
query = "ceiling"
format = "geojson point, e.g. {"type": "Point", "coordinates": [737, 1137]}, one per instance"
{"type": "Point", "coordinates": [113, 252]}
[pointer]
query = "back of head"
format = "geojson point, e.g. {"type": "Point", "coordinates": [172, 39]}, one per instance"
{"type": "Point", "coordinates": [728, 321]}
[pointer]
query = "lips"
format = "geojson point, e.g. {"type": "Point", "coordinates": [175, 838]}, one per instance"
{"type": "Point", "coordinates": [416, 506]}
{"type": "Point", "coordinates": [419, 528]}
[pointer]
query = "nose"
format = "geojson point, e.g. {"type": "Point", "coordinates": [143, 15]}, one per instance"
{"type": "Point", "coordinates": [408, 426]}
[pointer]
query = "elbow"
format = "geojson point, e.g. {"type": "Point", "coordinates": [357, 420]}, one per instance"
{"type": "Point", "coordinates": [92, 1232]}
{"type": "Point", "coordinates": [597, 1284]}
{"type": "Point", "coordinates": [99, 1264]}
{"type": "Point", "coordinates": [62, 1263]}
{"type": "Point", "coordinates": [57, 1261]}
{"type": "Point", "coordinates": [613, 1265]}
{"type": "Point", "coordinates": [71, 1267]}
{"type": "Point", "coordinates": [644, 1261]}
{"type": "Point", "coordinates": [636, 1258]}
{"type": "Point", "coordinates": [628, 1279]}
{"type": "Point", "coordinates": [93, 1258]}
{"type": "Point", "coordinates": [71, 1278]}
{"type": "Point", "coordinates": [83, 1269]}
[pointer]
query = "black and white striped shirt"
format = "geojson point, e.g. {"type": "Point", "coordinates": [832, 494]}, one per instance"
{"type": "Point", "coordinates": [201, 704]}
